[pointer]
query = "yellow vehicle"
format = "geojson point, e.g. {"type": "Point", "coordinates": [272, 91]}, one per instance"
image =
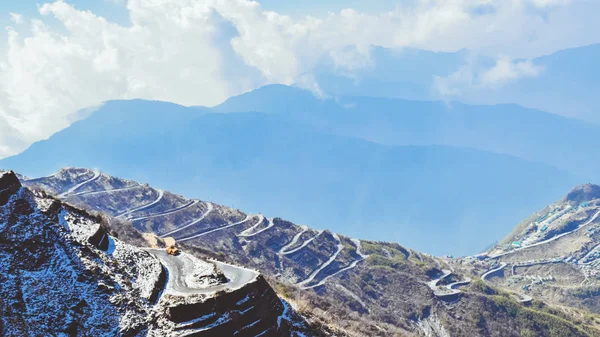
{"type": "Point", "coordinates": [172, 250]}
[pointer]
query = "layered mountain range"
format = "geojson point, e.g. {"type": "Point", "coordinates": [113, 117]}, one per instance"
{"type": "Point", "coordinates": [373, 168]}
{"type": "Point", "coordinates": [362, 288]}
{"type": "Point", "coordinates": [565, 82]}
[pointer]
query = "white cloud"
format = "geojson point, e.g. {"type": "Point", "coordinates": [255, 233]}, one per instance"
{"type": "Point", "coordinates": [16, 18]}
{"type": "Point", "coordinates": [506, 70]}
{"type": "Point", "coordinates": [476, 76]}
{"type": "Point", "coordinates": [199, 52]}
{"type": "Point", "coordinates": [547, 3]}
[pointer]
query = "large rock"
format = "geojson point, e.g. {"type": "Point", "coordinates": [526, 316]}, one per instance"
{"type": "Point", "coordinates": [9, 185]}
{"type": "Point", "coordinates": [583, 193]}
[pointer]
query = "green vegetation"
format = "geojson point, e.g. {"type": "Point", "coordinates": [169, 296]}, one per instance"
{"type": "Point", "coordinates": [480, 286]}
{"type": "Point", "coordinates": [535, 320]}
{"type": "Point", "coordinates": [385, 255]}
{"type": "Point", "coordinates": [380, 261]}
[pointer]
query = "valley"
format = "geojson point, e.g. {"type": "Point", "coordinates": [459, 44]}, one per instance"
{"type": "Point", "coordinates": [309, 172]}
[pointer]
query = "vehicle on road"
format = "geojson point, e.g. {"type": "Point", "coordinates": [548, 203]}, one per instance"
{"type": "Point", "coordinates": [172, 250]}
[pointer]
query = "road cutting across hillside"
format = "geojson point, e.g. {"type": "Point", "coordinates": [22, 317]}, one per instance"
{"type": "Point", "coordinates": [179, 267]}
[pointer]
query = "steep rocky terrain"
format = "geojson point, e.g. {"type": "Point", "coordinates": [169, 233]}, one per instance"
{"type": "Point", "coordinates": [554, 254]}
{"type": "Point", "coordinates": [356, 287]}
{"type": "Point", "coordinates": [63, 274]}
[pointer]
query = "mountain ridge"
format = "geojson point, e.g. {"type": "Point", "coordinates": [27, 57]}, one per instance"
{"type": "Point", "coordinates": [336, 279]}
{"type": "Point", "coordinates": [315, 173]}
{"type": "Point", "coordinates": [530, 134]}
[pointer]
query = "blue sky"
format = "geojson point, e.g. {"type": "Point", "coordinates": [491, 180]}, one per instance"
{"type": "Point", "coordinates": [114, 10]}
{"type": "Point", "coordinates": [28, 8]}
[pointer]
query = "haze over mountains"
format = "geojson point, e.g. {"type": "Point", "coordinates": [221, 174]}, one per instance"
{"type": "Point", "coordinates": [370, 167]}
{"type": "Point", "coordinates": [436, 198]}
{"type": "Point", "coordinates": [526, 133]}
{"type": "Point", "coordinates": [564, 82]}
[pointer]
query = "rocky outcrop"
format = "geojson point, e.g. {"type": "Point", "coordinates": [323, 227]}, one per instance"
{"type": "Point", "coordinates": [249, 311]}
{"type": "Point", "coordinates": [583, 193]}
{"type": "Point", "coordinates": [100, 238]}
{"type": "Point", "coordinates": [9, 185]}
{"type": "Point", "coordinates": [62, 273]}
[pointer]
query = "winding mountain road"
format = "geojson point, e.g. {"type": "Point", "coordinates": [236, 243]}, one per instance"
{"type": "Point", "coordinates": [178, 269]}
{"type": "Point", "coordinates": [245, 232]}
{"type": "Point", "coordinates": [269, 226]}
{"type": "Point", "coordinates": [304, 244]}
{"type": "Point", "coordinates": [590, 252]}
{"type": "Point", "coordinates": [312, 276]}
{"type": "Point", "coordinates": [549, 240]}
{"type": "Point", "coordinates": [107, 191]}
{"type": "Point", "coordinates": [449, 291]}
{"type": "Point", "coordinates": [97, 175]}
{"type": "Point", "coordinates": [161, 194]}
{"type": "Point", "coordinates": [352, 265]}
{"type": "Point", "coordinates": [209, 209]}
{"type": "Point", "coordinates": [215, 230]}
{"type": "Point", "coordinates": [359, 249]}
{"type": "Point", "coordinates": [167, 212]}
{"type": "Point", "coordinates": [491, 271]}
{"type": "Point", "coordinates": [284, 249]}
{"type": "Point", "coordinates": [453, 286]}
{"type": "Point", "coordinates": [433, 284]}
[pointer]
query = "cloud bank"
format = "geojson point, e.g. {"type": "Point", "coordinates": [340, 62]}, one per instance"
{"type": "Point", "coordinates": [199, 52]}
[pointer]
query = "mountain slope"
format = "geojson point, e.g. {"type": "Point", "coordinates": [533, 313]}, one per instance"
{"type": "Point", "coordinates": [568, 144]}
{"type": "Point", "coordinates": [364, 288]}
{"type": "Point", "coordinates": [262, 162]}
{"type": "Point", "coordinates": [400, 73]}
{"type": "Point", "coordinates": [554, 254]}
{"type": "Point", "coordinates": [63, 274]}
{"type": "Point", "coordinates": [567, 85]}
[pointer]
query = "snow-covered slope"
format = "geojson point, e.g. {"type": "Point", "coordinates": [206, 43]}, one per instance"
{"type": "Point", "coordinates": [62, 274]}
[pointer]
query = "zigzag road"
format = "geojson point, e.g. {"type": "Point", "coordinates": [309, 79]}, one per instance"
{"type": "Point", "coordinates": [216, 230]}
{"type": "Point", "coordinates": [312, 276]}
{"type": "Point", "coordinates": [306, 243]}
{"type": "Point", "coordinates": [76, 187]}
{"type": "Point", "coordinates": [549, 240]}
{"type": "Point", "coordinates": [209, 209]}
{"type": "Point", "coordinates": [352, 265]}
{"type": "Point", "coordinates": [284, 249]}
{"type": "Point", "coordinates": [249, 230]}
{"type": "Point", "coordinates": [161, 194]}
{"type": "Point", "coordinates": [106, 191]}
{"type": "Point", "coordinates": [167, 212]}
{"type": "Point", "coordinates": [269, 226]}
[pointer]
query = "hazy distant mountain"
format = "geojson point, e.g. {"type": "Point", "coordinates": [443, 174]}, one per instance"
{"type": "Point", "coordinates": [403, 73]}
{"type": "Point", "coordinates": [535, 135]}
{"type": "Point", "coordinates": [267, 163]}
{"type": "Point", "coordinates": [567, 85]}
